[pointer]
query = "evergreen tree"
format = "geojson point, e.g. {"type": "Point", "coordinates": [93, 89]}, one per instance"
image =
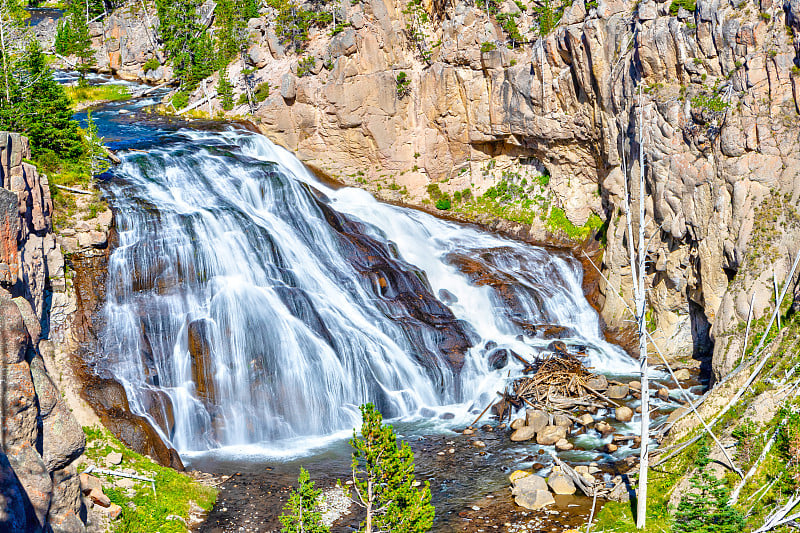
{"type": "Point", "coordinates": [72, 37]}
{"type": "Point", "coordinates": [225, 91]}
{"type": "Point", "coordinates": [179, 30]}
{"type": "Point", "coordinates": [95, 148]}
{"type": "Point", "coordinates": [301, 513]}
{"type": "Point", "coordinates": [383, 476]}
{"type": "Point", "coordinates": [705, 508]}
{"type": "Point", "coordinates": [41, 109]}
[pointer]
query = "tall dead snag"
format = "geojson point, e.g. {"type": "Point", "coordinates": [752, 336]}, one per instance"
{"type": "Point", "coordinates": [637, 256]}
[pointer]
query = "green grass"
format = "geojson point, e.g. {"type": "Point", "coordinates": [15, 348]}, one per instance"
{"type": "Point", "coordinates": [174, 490]}
{"type": "Point", "coordinates": [97, 93]}
{"type": "Point", "coordinates": [558, 222]}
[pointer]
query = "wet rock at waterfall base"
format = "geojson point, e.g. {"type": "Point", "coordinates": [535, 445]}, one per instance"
{"type": "Point", "coordinates": [109, 400]}
{"type": "Point", "coordinates": [498, 359]}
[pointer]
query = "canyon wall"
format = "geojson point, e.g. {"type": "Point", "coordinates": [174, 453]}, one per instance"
{"type": "Point", "coordinates": [41, 439]}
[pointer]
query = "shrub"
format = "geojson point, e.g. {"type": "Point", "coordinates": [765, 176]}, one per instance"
{"type": "Point", "coordinates": [443, 204]}
{"type": "Point", "coordinates": [487, 46]}
{"type": "Point", "coordinates": [180, 99]}
{"type": "Point", "coordinates": [403, 84]}
{"type": "Point", "coordinates": [305, 66]}
{"type": "Point", "coordinates": [150, 64]}
{"type": "Point", "coordinates": [262, 92]}
{"type": "Point", "coordinates": [688, 5]}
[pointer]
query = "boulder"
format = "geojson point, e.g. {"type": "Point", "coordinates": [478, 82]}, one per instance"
{"type": "Point", "coordinates": [522, 434]}
{"type": "Point", "coordinates": [604, 427]}
{"type": "Point", "coordinates": [617, 392]}
{"type": "Point", "coordinates": [498, 359]}
{"type": "Point", "coordinates": [518, 474]}
{"type": "Point", "coordinates": [114, 458]}
{"type": "Point", "coordinates": [663, 394]}
{"type": "Point", "coordinates": [610, 447]}
{"type": "Point", "coordinates": [113, 511]}
{"type": "Point", "coordinates": [518, 423]}
{"type": "Point", "coordinates": [598, 383]}
{"type": "Point", "coordinates": [89, 482]}
{"type": "Point", "coordinates": [635, 385]}
{"type": "Point", "coordinates": [682, 374]}
{"type": "Point", "coordinates": [289, 87]}
{"type": "Point", "coordinates": [586, 419]}
{"type": "Point", "coordinates": [562, 420]}
{"type": "Point", "coordinates": [559, 483]}
{"type": "Point", "coordinates": [563, 445]}
{"type": "Point", "coordinates": [623, 414]}
{"type": "Point", "coordinates": [535, 500]}
{"type": "Point", "coordinates": [550, 435]}
{"type": "Point", "coordinates": [536, 419]}
{"type": "Point", "coordinates": [530, 491]}
{"type": "Point", "coordinates": [99, 498]}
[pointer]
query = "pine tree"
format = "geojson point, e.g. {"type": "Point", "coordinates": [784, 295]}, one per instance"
{"type": "Point", "coordinates": [225, 91]}
{"type": "Point", "coordinates": [43, 109]}
{"type": "Point", "coordinates": [705, 508]}
{"type": "Point", "coordinates": [96, 148]}
{"type": "Point", "coordinates": [383, 479]}
{"type": "Point", "coordinates": [301, 513]}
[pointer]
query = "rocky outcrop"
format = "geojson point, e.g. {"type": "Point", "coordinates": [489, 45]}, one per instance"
{"type": "Point", "coordinates": [125, 41]}
{"type": "Point", "coordinates": [39, 488]}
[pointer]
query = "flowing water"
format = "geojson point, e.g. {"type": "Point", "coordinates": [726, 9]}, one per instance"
{"type": "Point", "coordinates": [251, 308]}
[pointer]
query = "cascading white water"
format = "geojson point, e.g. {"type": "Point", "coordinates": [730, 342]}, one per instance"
{"type": "Point", "coordinates": [264, 315]}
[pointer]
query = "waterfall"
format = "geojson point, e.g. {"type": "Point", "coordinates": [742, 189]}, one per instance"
{"type": "Point", "coordinates": [248, 304]}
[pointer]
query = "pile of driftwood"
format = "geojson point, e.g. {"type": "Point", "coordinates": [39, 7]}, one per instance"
{"type": "Point", "coordinates": [559, 380]}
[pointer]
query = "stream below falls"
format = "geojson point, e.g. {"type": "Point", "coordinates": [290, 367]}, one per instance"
{"type": "Point", "coordinates": [251, 308]}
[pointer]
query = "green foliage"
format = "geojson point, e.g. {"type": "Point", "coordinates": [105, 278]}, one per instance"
{"type": "Point", "coordinates": [688, 5]}
{"type": "Point", "coordinates": [301, 513]}
{"type": "Point", "coordinates": [72, 36]}
{"type": "Point", "coordinates": [339, 28]}
{"type": "Point", "coordinates": [186, 42]}
{"type": "Point", "coordinates": [417, 17]}
{"type": "Point", "coordinates": [548, 15]}
{"type": "Point", "coordinates": [558, 221]}
{"type": "Point", "coordinates": [262, 92]}
{"type": "Point", "coordinates": [508, 21]}
{"type": "Point", "coordinates": [37, 106]}
{"type": "Point", "coordinates": [150, 64]}
{"type": "Point", "coordinates": [403, 84]}
{"type": "Point", "coordinates": [293, 22]}
{"type": "Point", "coordinates": [96, 148]}
{"type": "Point", "coordinates": [383, 475]}
{"type": "Point", "coordinates": [487, 46]}
{"type": "Point", "coordinates": [305, 66]}
{"type": "Point", "coordinates": [443, 203]}
{"type": "Point", "coordinates": [231, 18]}
{"type": "Point", "coordinates": [705, 509]}
{"type": "Point", "coordinates": [711, 102]}
{"type": "Point", "coordinates": [174, 490]}
{"type": "Point", "coordinates": [225, 91]}
{"type": "Point", "coordinates": [180, 100]}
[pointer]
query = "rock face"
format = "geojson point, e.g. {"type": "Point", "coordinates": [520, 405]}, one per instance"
{"type": "Point", "coordinates": [39, 487]}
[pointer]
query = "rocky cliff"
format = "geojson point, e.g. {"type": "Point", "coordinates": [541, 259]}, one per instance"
{"type": "Point", "coordinates": [39, 487]}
